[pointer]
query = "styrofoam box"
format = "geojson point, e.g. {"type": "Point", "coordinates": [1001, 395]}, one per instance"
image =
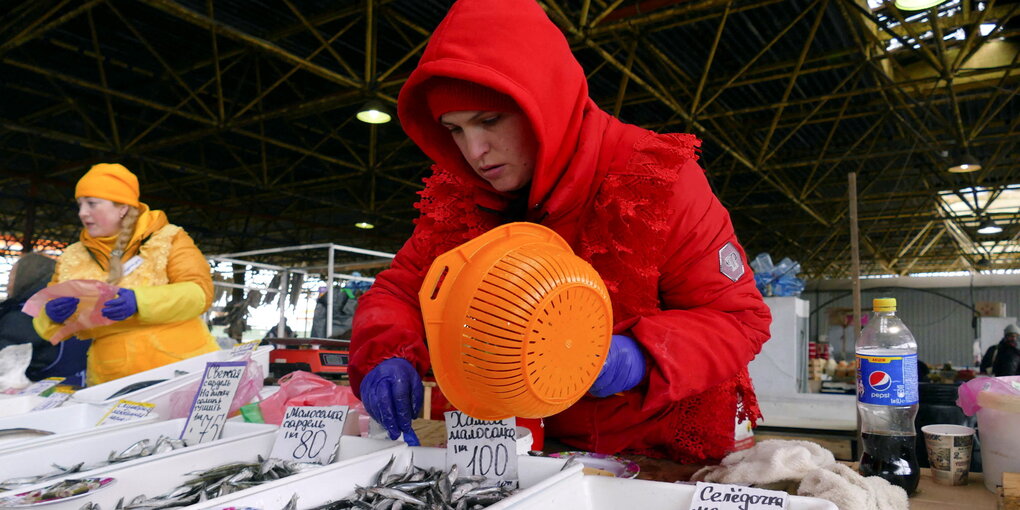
{"type": "Point", "coordinates": [608, 493]}
{"type": "Point", "coordinates": [11, 405]}
{"type": "Point", "coordinates": [66, 422]}
{"type": "Point", "coordinates": [159, 394]}
{"type": "Point", "coordinates": [336, 482]}
{"type": "Point", "coordinates": [163, 475]}
{"type": "Point", "coordinates": [97, 448]}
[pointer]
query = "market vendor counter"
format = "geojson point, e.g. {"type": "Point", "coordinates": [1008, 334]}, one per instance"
{"type": "Point", "coordinates": [929, 496]}
{"type": "Point", "coordinates": [932, 496]}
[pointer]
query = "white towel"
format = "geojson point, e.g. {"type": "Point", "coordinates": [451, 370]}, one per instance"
{"type": "Point", "coordinates": [816, 470]}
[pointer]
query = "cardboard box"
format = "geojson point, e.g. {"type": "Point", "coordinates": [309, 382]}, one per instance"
{"type": "Point", "coordinates": [990, 308]}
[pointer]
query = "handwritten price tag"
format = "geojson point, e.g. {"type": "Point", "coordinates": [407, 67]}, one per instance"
{"type": "Point", "coordinates": [41, 386]}
{"type": "Point", "coordinates": [56, 398]}
{"type": "Point", "coordinates": [212, 401]}
{"type": "Point", "coordinates": [245, 349]}
{"type": "Point", "coordinates": [310, 434]}
{"type": "Point", "coordinates": [480, 447]}
{"type": "Point", "coordinates": [718, 496]}
{"type": "Point", "coordinates": [126, 410]}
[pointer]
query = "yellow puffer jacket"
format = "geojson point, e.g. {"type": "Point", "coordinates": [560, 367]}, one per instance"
{"type": "Point", "coordinates": [172, 285]}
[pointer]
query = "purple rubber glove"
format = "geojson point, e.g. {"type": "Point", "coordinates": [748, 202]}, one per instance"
{"type": "Point", "coordinates": [61, 308]}
{"type": "Point", "coordinates": [122, 306]}
{"type": "Point", "coordinates": [393, 394]}
{"type": "Point", "coordinates": [623, 370]}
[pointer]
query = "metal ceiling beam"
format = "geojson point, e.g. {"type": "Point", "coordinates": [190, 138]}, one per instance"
{"type": "Point", "coordinates": [670, 102]}
{"type": "Point", "coordinates": [33, 30]}
{"type": "Point", "coordinates": [197, 19]}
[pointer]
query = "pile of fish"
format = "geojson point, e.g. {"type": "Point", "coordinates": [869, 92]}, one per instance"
{"type": "Point", "coordinates": [143, 448]}
{"type": "Point", "coordinates": [215, 482]}
{"type": "Point", "coordinates": [61, 490]}
{"type": "Point", "coordinates": [418, 488]}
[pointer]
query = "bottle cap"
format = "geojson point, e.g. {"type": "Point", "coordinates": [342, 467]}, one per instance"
{"type": "Point", "coordinates": [884, 304]}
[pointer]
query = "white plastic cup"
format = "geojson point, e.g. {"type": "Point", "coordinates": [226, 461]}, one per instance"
{"type": "Point", "coordinates": [949, 450]}
{"type": "Point", "coordinates": [1000, 444]}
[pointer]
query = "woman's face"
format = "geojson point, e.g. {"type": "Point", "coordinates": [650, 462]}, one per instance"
{"type": "Point", "coordinates": [100, 216]}
{"type": "Point", "coordinates": [500, 146]}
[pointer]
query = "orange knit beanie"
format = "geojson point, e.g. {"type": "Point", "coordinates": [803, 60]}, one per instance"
{"type": "Point", "coordinates": [110, 181]}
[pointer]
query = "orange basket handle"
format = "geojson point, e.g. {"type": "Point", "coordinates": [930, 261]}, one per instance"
{"type": "Point", "coordinates": [445, 268]}
{"type": "Point", "coordinates": [438, 282]}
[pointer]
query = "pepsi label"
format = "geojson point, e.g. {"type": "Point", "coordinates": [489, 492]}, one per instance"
{"type": "Point", "coordinates": [887, 380]}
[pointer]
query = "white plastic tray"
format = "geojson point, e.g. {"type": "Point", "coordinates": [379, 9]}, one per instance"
{"type": "Point", "coordinates": [160, 393]}
{"type": "Point", "coordinates": [608, 493]}
{"type": "Point", "coordinates": [66, 422]}
{"type": "Point", "coordinates": [97, 448]}
{"type": "Point", "coordinates": [11, 405]}
{"type": "Point", "coordinates": [163, 475]}
{"type": "Point", "coordinates": [339, 481]}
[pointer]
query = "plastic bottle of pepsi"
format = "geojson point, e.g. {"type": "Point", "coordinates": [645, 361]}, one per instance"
{"type": "Point", "coordinates": [887, 397]}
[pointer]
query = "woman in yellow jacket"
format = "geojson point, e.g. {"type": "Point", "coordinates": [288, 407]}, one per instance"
{"type": "Point", "coordinates": [165, 283]}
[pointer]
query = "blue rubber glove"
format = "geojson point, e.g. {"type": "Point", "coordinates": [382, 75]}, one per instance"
{"type": "Point", "coordinates": [393, 394]}
{"type": "Point", "coordinates": [121, 307]}
{"type": "Point", "coordinates": [61, 308]}
{"type": "Point", "coordinates": [623, 370]}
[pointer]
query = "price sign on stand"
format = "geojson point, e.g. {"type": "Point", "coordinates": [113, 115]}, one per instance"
{"type": "Point", "coordinates": [41, 386]}
{"type": "Point", "coordinates": [212, 401]}
{"type": "Point", "coordinates": [310, 434]}
{"type": "Point", "coordinates": [126, 410]}
{"type": "Point", "coordinates": [57, 398]}
{"type": "Point", "coordinates": [720, 496]}
{"type": "Point", "coordinates": [481, 447]}
{"type": "Point", "coordinates": [244, 349]}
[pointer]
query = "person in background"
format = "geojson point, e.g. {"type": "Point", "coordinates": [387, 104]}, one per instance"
{"type": "Point", "coordinates": [164, 282]}
{"type": "Point", "coordinates": [501, 106]}
{"type": "Point", "coordinates": [1003, 358]}
{"type": "Point", "coordinates": [345, 302]}
{"type": "Point", "coordinates": [67, 359]}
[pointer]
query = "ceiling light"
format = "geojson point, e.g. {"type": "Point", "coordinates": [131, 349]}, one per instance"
{"type": "Point", "coordinates": [989, 227]}
{"type": "Point", "coordinates": [916, 5]}
{"type": "Point", "coordinates": [373, 112]}
{"type": "Point", "coordinates": [966, 163]}
{"type": "Point", "coordinates": [365, 225]}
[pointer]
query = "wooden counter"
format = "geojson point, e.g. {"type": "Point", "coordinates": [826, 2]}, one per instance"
{"type": "Point", "coordinates": [932, 496]}
{"type": "Point", "coordinates": [929, 495]}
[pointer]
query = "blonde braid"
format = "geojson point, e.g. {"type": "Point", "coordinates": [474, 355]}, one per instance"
{"type": "Point", "coordinates": [127, 230]}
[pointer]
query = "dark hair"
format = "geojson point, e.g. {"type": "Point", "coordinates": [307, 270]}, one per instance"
{"type": "Point", "coordinates": [33, 270]}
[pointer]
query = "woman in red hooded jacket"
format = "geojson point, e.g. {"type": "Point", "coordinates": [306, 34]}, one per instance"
{"type": "Point", "coordinates": [501, 106]}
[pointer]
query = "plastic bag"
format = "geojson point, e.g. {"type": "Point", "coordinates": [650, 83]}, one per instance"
{"type": "Point", "coordinates": [91, 294]}
{"type": "Point", "coordinates": [776, 280]}
{"type": "Point", "coordinates": [14, 360]}
{"type": "Point", "coordinates": [247, 390]}
{"type": "Point", "coordinates": [1001, 393]}
{"type": "Point", "coordinates": [305, 389]}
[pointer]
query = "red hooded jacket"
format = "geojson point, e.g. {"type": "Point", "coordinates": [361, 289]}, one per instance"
{"type": "Point", "coordinates": [632, 203]}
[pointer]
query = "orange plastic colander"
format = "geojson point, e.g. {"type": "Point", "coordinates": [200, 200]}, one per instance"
{"type": "Point", "coordinates": [517, 325]}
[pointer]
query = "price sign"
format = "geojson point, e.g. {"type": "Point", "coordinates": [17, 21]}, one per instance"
{"type": "Point", "coordinates": [126, 410]}
{"type": "Point", "coordinates": [310, 434]}
{"type": "Point", "coordinates": [212, 401]}
{"type": "Point", "coordinates": [56, 398]}
{"type": "Point", "coordinates": [245, 349]}
{"type": "Point", "coordinates": [719, 496]}
{"type": "Point", "coordinates": [481, 447]}
{"type": "Point", "coordinates": [41, 386]}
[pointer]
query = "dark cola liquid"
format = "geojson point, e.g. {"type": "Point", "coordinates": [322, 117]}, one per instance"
{"type": "Point", "coordinates": [892, 458]}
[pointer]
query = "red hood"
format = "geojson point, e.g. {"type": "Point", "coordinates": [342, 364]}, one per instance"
{"type": "Point", "coordinates": [510, 46]}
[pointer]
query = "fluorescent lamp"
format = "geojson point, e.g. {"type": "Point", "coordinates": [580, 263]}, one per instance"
{"type": "Point", "coordinates": [373, 112]}
{"type": "Point", "coordinates": [916, 5]}
{"type": "Point", "coordinates": [989, 227]}
{"type": "Point", "coordinates": [965, 164]}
